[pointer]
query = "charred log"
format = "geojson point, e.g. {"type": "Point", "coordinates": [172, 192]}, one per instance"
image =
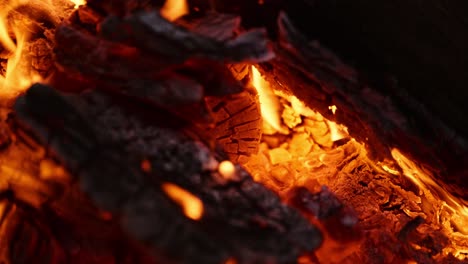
{"type": "Point", "coordinates": [106, 156]}
{"type": "Point", "coordinates": [320, 79]}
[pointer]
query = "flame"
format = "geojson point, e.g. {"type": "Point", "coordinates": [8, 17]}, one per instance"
{"type": "Point", "coordinates": [337, 131]}
{"type": "Point", "coordinates": [16, 79]}
{"type": "Point", "coordinates": [78, 3]}
{"type": "Point", "coordinates": [269, 103]}
{"type": "Point", "coordinates": [173, 9]}
{"type": "Point", "coordinates": [453, 214]}
{"type": "Point", "coordinates": [191, 205]}
{"type": "Point", "coordinates": [308, 157]}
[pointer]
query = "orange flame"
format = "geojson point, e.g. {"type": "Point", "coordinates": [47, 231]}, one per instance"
{"type": "Point", "coordinates": [453, 212]}
{"type": "Point", "coordinates": [191, 205]}
{"type": "Point", "coordinates": [337, 131]}
{"type": "Point", "coordinates": [13, 37]}
{"type": "Point", "coordinates": [269, 103]}
{"type": "Point", "coordinates": [173, 9]}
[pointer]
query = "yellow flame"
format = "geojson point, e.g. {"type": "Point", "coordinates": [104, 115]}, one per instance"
{"type": "Point", "coordinates": [390, 170]}
{"type": "Point", "coordinates": [14, 35]}
{"type": "Point", "coordinates": [191, 205]}
{"type": "Point", "coordinates": [173, 9]}
{"type": "Point", "coordinates": [78, 3]}
{"type": "Point", "coordinates": [269, 103]}
{"type": "Point", "coordinates": [454, 212]}
{"type": "Point", "coordinates": [333, 108]}
{"type": "Point", "coordinates": [337, 131]}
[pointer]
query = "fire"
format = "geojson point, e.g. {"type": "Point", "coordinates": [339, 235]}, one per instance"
{"type": "Point", "coordinates": [173, 9]}
{"type": "Point", "coordinates": [191, 205]}
{"type": "Point", "coordinates": [453, 211]}
{"type": "Point", "coordinates": [78, 3]}
{"type": "Point", "coordinates": [333, 108]}
{"type": "Point", "coordinates": [337, 131]}
{"type": "Point", "coordinates": [269, 103]}
{"type": "Point", "coordinates": [16, 41]}
{"type": "Point", "coordinates": [14, 35]}
{"type": "Point", "coordinates": [306, 156]}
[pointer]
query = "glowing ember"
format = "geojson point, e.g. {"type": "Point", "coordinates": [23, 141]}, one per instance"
{"type": "Point", "coordinates": [146, 165]}
{"type": "Point", "coordinates": [453, 211]}
{"type": "Point", "coordinates": [390, 170]}
{"type": "Point", "coordinates": [78, 3]}
{"type": "Point", "coordinates": [230, 261]}
{"type": "Point", "coordinates": [333, 108]}
{"type": "Point", "coordinates": [191, 205]}
{"type": "Point", "coordinates": [227, 169]}
{"type": "Point", "coordinates": [174, 9]}
{"type": "Point", "coordinates": [307, 157]}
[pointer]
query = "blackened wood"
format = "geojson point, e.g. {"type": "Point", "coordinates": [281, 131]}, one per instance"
{"type": "Point", "coordinates": [100, 58]}
{"type": "Point", "coordinates": [319, 78]}
{"type": "Point", "coordinates": [106, 155]}
{"type": "Point", "coordinates": [175, 77]}
{"type": "Point", "coordinates": [422, 43]}
{"type": "Point", "coordinates": [45, 218]}
{"type": "Point", "coordinates": [152, 33]}
{"type": "Point", "coordinates": [218, 26]}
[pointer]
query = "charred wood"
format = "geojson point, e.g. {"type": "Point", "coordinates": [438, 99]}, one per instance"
{"type": "Point", "coordinates": [106, 156]}
{"type": "Point", "coordinates": [154, 34]}
{"type": "Point", "coordinates": [319, 78]}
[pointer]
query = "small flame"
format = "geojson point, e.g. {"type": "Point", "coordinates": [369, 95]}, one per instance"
{"type": "Point", "coordinates": [269, 103]}
{"type": "Point", "coordinates": [173, 9]}
{"type": "Point", "coordinates": [78, 3]}
{"type": "Point", "coordinates": [456, 216]}
{"type": "Point", "coordinates": [337, 131]}
{"type": "Point", "coordinates": [390, 170]}
{"type": "Point", "coordinates": [191, 205]}
{"type": "Point", "coordinates": [333, 108]}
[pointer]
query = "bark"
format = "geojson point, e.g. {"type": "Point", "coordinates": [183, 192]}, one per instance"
{"type": "Point", "coordinates": [105, 155]}
{"type": "Point", "coordinates": [318, 77]}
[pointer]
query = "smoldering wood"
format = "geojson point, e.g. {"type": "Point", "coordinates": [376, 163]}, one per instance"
{"type": "Point", "coordinates": [106, 154]}
{"type": "Point", "coordinates": [319, 78]}
{"type": "Point", "coordinates": [45, 218]}
{"type": "Point", "coordinates": [421, 43]}
{"type": "Point", "coordinates": [214, 25]}
{"type": "Point", "coordinates": [134, 73]}
{"type": "Point", "coordinates": [96, 54]}
{"type": "Point", "coordinates": [418, 45]}
{"type": "Point", "coordinates": [154, 34]}
{"type": "Point", "coordinates": [238, 127]}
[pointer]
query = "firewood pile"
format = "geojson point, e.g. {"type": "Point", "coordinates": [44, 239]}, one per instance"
{"type": "Point", "coordinates": [145, 143]}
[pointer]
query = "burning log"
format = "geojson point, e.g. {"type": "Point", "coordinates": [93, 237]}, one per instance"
{"type": "Point", "coordinates": [106, 156]}
{"type": "Point", "coordinates": [163, 102]}
{"type": "Point", "coordinates": [317, 77]}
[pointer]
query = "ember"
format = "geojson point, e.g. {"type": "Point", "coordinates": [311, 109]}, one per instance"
{"type": "Point", "coordinates": [191, 205]}
{"type": "Point", "coordinates": [138, 132]}
{"type": "Point", "coordinates": [310, 158]}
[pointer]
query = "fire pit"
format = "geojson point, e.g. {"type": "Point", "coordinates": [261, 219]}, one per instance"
{"type": "Point", "coordinates": [141, 131]}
